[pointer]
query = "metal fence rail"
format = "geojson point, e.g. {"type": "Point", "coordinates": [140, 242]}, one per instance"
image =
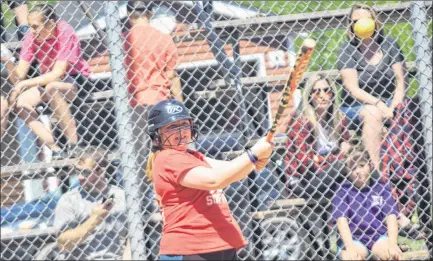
{"type": "Point", "coordinates": [232, 59]}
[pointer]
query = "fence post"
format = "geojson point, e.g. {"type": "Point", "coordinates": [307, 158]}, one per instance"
{"type": "Point", "coordinates": [124, 126]}
{"type": "Point", "coordinates": [424, 64]}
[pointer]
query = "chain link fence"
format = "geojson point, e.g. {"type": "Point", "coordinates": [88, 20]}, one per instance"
{"type": "Point", "coordinates": [77, 82]}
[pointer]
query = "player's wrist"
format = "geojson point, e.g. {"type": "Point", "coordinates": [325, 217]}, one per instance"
{"type": "Point", "coordinates": [253, 158]}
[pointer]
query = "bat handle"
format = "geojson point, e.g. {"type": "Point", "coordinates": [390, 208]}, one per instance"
{"type": "Point", "coordinates": [270, 136]}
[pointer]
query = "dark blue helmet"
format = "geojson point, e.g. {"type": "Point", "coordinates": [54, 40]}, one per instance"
{"type": "Point", "coordinates": [167, 112]}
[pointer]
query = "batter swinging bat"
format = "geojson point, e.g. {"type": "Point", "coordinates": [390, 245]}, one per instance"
{"type": "Point", "coordinates": [292, 82]}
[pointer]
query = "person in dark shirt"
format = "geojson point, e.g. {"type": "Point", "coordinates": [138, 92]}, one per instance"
{"type": "Point", "coordinates": [374, 81]}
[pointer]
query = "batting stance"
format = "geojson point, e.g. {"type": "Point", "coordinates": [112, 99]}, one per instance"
{"type": "Point", "coordinates": [197, 223]}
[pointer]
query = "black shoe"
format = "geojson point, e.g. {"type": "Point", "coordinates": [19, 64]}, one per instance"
{"type": "Point", "coordinates": [59, 155]}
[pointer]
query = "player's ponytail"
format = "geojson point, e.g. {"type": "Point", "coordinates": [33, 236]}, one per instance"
{"type": "Point", "coordinates": [149, 166]}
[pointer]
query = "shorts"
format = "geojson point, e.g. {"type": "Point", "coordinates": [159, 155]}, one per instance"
{"type": "Point", "coordinates": [229, 254]}
{"type": "Point", "coordinates": [367, 246]}
{"type": "Point", "coordinates": [354, 112]}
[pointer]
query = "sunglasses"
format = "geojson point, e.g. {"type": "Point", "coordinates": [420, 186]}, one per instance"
{"type": "Point", "coordinates": [326, 90]}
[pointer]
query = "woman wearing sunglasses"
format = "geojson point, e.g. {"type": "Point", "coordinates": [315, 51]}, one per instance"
{"type": "Point", "coordinates": [374, 79]}
{"type": "Point", "coordinates": [318, 138]}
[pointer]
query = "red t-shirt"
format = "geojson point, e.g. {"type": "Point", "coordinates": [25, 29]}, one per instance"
{"type": "Point", "coordinates": [150, 55]}
{"type": "Point", "coordinates": [195, 221]}
{"type": "Point", "coordinates": [64, 47]}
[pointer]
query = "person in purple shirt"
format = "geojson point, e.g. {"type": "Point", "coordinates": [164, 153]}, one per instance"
{"type": "Point", "coordinates": [365, 213]}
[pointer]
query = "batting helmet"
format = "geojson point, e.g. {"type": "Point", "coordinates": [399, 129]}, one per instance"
{"type": "Point", "coordinates": [167, 112]}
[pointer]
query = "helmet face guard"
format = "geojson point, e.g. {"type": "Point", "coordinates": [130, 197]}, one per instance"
{"type": "Point", "coordinates": [163, 138]}
{"type": "Point", "coordinates": [167, 112]}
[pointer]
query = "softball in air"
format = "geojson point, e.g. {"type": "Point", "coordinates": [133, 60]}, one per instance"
{"type": "Point", "coordinates": [364, 28]}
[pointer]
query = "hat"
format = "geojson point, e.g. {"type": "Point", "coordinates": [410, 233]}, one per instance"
{"type": "Point", "coordinates": [141, 6]}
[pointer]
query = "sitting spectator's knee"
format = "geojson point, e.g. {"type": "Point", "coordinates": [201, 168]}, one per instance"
{"type": "Point", "coordinates": [22, 104]}
{"type": "Point", "coordinates": [51, 89]}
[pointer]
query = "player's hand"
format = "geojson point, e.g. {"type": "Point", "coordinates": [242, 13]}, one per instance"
{"type": "Point", "coordinates": [261, 164]}
{"type": "Point", "coordinates": [394, 252]}
{"type": "Point", "coordinates": [263, 150]}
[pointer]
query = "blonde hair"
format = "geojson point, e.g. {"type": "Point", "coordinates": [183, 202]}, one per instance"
{"type": "Point", "coordinates": [149, 165]}
{"type": "Point", "coordinates": [333, 112]}
{"type": "Point", "coordinates": [378, 24]}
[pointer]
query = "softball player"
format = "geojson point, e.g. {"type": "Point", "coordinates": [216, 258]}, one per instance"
{"type": "Point", "coordinates": [197, 221]}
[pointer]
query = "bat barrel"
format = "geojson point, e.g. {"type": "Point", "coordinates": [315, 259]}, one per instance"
{"type": "Point", "coordinates": [295, 77]}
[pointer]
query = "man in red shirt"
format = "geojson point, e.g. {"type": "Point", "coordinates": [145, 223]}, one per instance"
{"type": "Point", "coordinates": [151, 61]}
{"type": "Point", "coordinates": [197, 223]}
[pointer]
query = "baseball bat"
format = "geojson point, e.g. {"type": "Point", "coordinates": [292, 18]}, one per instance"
{"type": "Point", "coordinates": [302, 61]}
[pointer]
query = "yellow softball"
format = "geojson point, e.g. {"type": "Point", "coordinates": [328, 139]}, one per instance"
{"type": "Point", "coordinates": [364, 28]}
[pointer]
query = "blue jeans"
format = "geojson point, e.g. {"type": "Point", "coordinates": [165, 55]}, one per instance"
{"type": "Point", "coordinates": [354, 112]}
{"type": "Point", "coordinates": [28, 142]}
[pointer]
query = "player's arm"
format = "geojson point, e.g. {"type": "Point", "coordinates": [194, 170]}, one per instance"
{"type": "Point", "coordinates": [218, 177]}
{"type": "Point", "coordinates": [215, 163]}
{"type": "Point", "coordinates": [222, 174]}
